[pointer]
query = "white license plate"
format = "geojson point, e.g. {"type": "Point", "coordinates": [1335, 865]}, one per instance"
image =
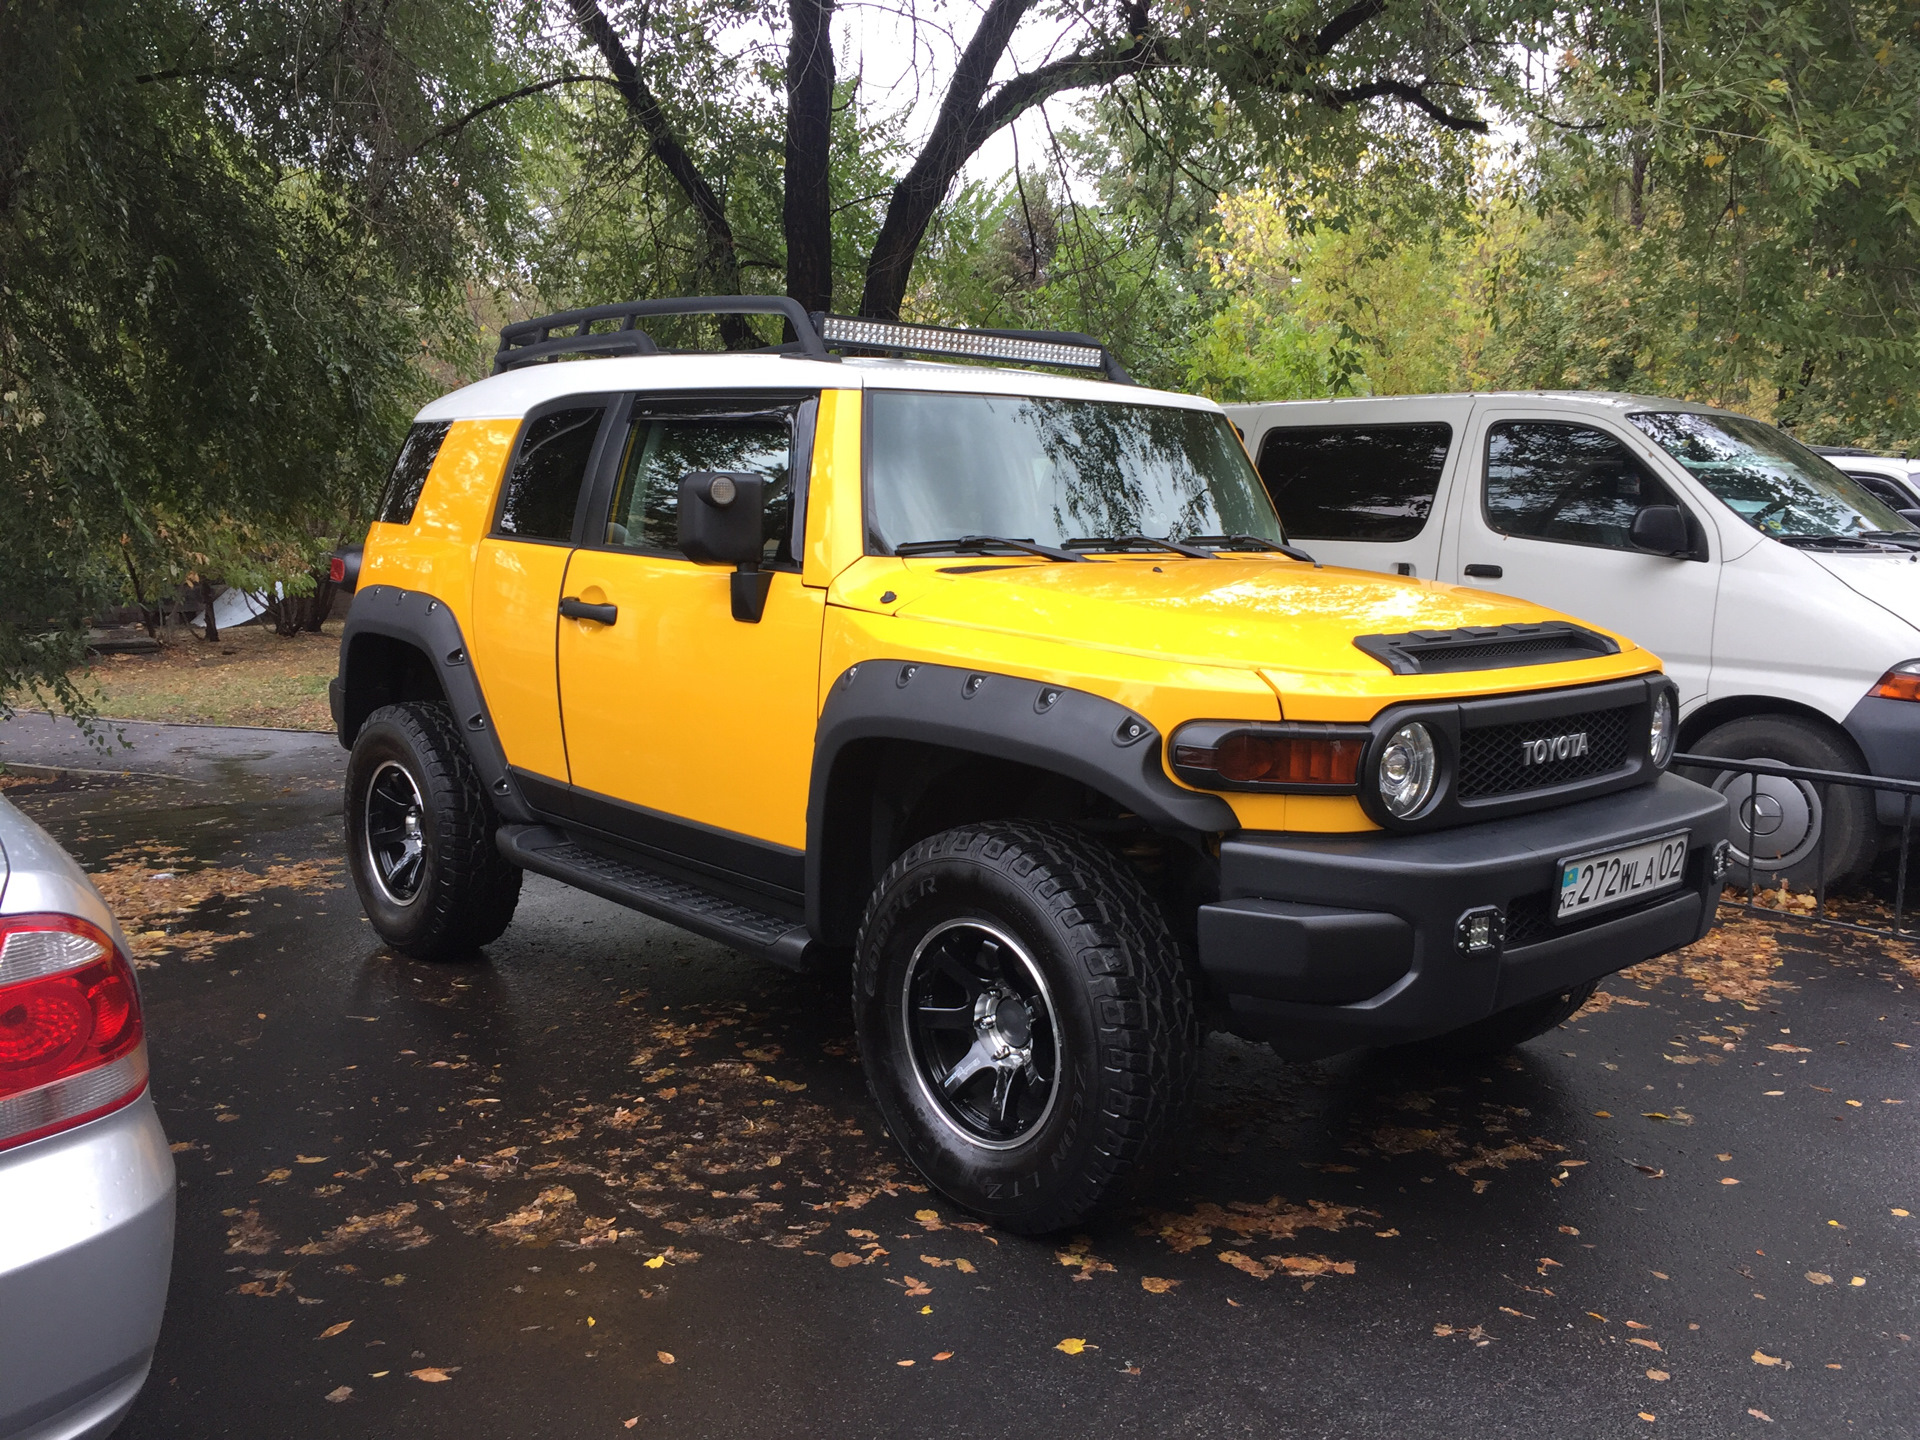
{"type": "Point", "coordinates": [1594, 882]}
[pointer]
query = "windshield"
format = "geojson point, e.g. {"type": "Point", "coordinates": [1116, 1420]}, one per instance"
{"type": "Point", "coordinates": [1054, 471]}
{"type": "Point", "coordinates": [1769, 479]}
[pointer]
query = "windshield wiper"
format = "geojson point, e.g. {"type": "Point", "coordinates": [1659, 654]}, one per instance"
{"type": "Point", "coordinates": [1138, 542]}
{"type": "Point", "coordinates": [1842, 542]}
{"type": "Point", "coordinates": [1252, 542]}
{"type": "Point", "coordinates": [984, 543]}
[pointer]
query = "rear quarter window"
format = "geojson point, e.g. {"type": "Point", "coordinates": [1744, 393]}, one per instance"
{"type": "Point", "coordinates": [409, 473]}
{"type": "Point", "coordinates": [1355, 482]}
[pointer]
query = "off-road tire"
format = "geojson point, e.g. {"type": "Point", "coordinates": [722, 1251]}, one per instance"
{"type": "Point", "coordinates": [1845, 812]}
{"type": "Point", "coordinates": [1504, 1029]}
{"type": "Point", "coordinates": [1125, 1023]}
{"type": "Point", "coordinates": [466, 890]}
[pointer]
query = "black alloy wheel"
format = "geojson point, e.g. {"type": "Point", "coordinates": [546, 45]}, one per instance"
{"type": "Point", "coordinates": [980, 1023]}
{"type": "Point", "coordinates": [420, 831]}
{"type": "Point", "coordinates": [396, 844]}
{"type": "Point", "coordinates": [1026, 1019]}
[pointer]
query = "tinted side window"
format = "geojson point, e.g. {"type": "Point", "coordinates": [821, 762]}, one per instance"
{"type": "Point", "coordinates": [669, 439]}
{"type": "Point", "coordinates": [409, 474]}
{"type": "Point", "coordinates": [1374, 482]}
{"type": "Point", "coordinates": [1571, 483]}
{"type": "Point", "coordinates": [544, 486]}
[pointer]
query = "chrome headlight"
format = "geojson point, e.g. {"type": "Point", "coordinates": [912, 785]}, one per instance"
{"type": "Point", "coordinates": [1660, 735]}
{"type": "Point", "coordinates": [1407, 770]}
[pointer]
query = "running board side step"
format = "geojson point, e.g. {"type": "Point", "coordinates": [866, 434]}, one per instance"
{"type": "Point", "coordinates": [547, 851]}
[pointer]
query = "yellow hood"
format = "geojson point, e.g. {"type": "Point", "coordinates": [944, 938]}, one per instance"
{"type": "Point", "coordinates": [1293, 623]}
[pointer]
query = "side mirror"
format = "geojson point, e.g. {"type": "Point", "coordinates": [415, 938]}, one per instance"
{"type": "Point", "coordinates": [1661, 529]}
{"type": "Point", "coordinates": [722, 521]}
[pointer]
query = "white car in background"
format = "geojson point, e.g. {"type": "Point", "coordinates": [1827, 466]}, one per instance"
{"type": "Point", "coordinates": [86, 1176]}
{"type": "Point", "coordinates": [1783, 596]}
{"type": "Point", "coordinates": [1895, 479]}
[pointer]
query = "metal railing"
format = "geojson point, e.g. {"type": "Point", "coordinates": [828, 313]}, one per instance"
{"type": "Point", "coordinates": [1907, 790]}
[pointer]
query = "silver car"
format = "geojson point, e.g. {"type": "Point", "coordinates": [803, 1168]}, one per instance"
{"type": "Point", "coordinates": [86, 1178]}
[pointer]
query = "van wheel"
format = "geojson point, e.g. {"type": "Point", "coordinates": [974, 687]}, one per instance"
{"type": "Point", "coordinates": [1784, 825]}
{"type": "Point", "coordinates": [1026, 1019]}
{"type": "Point", "coordinates": [1504, 1029]}
{"type": "Point", "coordinates": [420, 841]}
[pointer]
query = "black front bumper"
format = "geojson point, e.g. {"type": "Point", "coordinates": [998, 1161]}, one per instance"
{"type": "Point", "coordinates": [1324, 943]}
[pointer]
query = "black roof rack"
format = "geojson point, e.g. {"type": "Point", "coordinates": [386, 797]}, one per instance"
{"type": "Point", "coordinates": [530, 342]}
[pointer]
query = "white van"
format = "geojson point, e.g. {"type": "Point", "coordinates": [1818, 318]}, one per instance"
{"type": "Point", "coordinates": [1782, 595]}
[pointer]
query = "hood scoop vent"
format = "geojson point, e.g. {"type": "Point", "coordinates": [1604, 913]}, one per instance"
{"type": "Point", "coordinates": [1485, 647]}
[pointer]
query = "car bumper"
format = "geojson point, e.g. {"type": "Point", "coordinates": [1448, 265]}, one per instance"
{"type": "Point", "coordinates": [1888, 734]}
{"type": "Point", "coordinates": [1324, 943]}
{"type": "Point", "coordinates": [86, 1248]}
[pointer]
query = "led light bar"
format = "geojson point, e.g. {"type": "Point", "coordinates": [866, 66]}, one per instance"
{"type": "Point", "coordinates": [975, 344]}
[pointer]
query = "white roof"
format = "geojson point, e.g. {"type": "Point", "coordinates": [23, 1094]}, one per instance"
{"type": "Point", "coordinates": [514, 393]}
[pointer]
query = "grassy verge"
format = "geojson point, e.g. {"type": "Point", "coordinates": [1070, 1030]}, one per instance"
{"type": "Point", "coordinates": [251, 677]}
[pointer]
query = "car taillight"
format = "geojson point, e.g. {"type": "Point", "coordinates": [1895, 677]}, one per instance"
{"type": "Point", "coordinates": [71, 1037]}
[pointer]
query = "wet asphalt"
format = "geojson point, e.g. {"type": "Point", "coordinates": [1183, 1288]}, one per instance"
{"type": "Point", "coordinates": [493, 1198]}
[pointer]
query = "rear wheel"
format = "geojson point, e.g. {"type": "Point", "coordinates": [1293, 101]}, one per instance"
{"type": "Point", "coordinates": [1791, 830]}
{"type": "Point", "coordinates": [420, 841]}
{"type": "Point", "coordinates": [1504, 1029]}
{"type": "Point", "coordinates": [1026, 1019]}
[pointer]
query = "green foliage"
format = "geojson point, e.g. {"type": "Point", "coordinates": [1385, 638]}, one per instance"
{"type": "Point", "coordinates": [1731, 203]}
{"type": "Point", "coordinates": [221, 262]}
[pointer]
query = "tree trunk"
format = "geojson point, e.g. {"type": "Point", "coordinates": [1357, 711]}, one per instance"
{"type": "Point", "coordinates": [319, 606]}
{"type": "Point", "coordinates": [148, 617]}
{"type": "Point", "coordinates": [212, 633]}
{"type": "Point", "coordinates": [808, 210]}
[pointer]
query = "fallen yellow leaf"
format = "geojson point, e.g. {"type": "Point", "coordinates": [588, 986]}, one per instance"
{"type": "Point", "coordinates": [1901, 1213]}
{"type": "Point", "coordinates": [1729, 1180]}
{"type": "Point", "coordinates": [656, 1262]}
{"type": "Point", "coordinates": [903, 1362]}
{"type": "Point", "coordinates": [1647, 1415]}
{"type": "Point", "coordinates": [434, 1374]}
{"type": "Point", "coordinates": [1858, 1280]}
{"type": "Point", "coordinates": [929, 1218]}
{"type": "Point", "coordinates": [665, 1357]}
{"type": "Point", "coordinates": [944, 1355]}
{"type": "Point", "coordinates": [589, 1319]}
{"type": "Point", "coordinates": [965, 1267]}
{"type": "Point", "coordinates": [1658, 1375]}
{"type": "Point", "coordinates": [1760, 1357]}
{"type": "Point", "coordinates": [1071, 1346]}
{"type": "Point", "coordinates": [1817, 1278]}
{"type": "Point", "coordinates": [339, 1393]}
{"type": "Point", "coordinates": [333, 1330]}
{"type": "Point", "coordinates": [308, 1159]}
{"type": "Point", "coordinates": [1646, 1344]}
{"type": "Point", "coordinates": [1154, 1285]}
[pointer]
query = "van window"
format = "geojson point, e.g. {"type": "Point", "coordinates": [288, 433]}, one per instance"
{"type": "Point", "coordinates": [1571, 483]}
{"type": "Point", "coordinates": [543, 488]}
{"type": "Point", "coordinates": [1347, 482]}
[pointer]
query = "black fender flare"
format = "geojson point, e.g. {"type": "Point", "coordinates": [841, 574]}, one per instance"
{"type": "Point", "coordinates": [425, 623]}
{"type": "Point", "coordinates": [1085, 737]}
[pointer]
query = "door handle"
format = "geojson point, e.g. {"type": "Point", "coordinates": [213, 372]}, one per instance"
{"type": "Point", "coordinates": [572, 608]}
{"type": "Point", "coordinates": [1472, 572]}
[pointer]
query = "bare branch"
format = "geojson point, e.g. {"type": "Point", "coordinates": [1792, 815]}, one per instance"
{"type": "Point", "coordinates": [456, 126]}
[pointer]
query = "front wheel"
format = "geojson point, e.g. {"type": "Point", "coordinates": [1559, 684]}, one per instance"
{"type": "Point", "coordinates": [420, 841]}
{"type": "Point", "coordinates": [1026, 1019]}
{"type": "Point", "coordinates": [1791, 831]}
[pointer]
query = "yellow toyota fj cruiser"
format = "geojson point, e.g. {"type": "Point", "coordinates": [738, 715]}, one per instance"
{"type": "Point", "coordinates": [1006, 684]}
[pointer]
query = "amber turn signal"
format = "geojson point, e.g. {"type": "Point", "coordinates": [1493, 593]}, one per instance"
{"type": "Point", "coordinates": [1902, 682]}
{"type": "Point", "coordinates": [1270, 757]}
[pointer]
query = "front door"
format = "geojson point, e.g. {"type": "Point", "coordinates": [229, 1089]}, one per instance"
{"type": "Point", "coordinates": [1546, 518]}
{"type": "Point", "coordinates": [696, 729]}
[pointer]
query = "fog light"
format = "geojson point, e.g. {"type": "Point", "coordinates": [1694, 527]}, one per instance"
{"type": "Point", "coordinates": [1482, 931]}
